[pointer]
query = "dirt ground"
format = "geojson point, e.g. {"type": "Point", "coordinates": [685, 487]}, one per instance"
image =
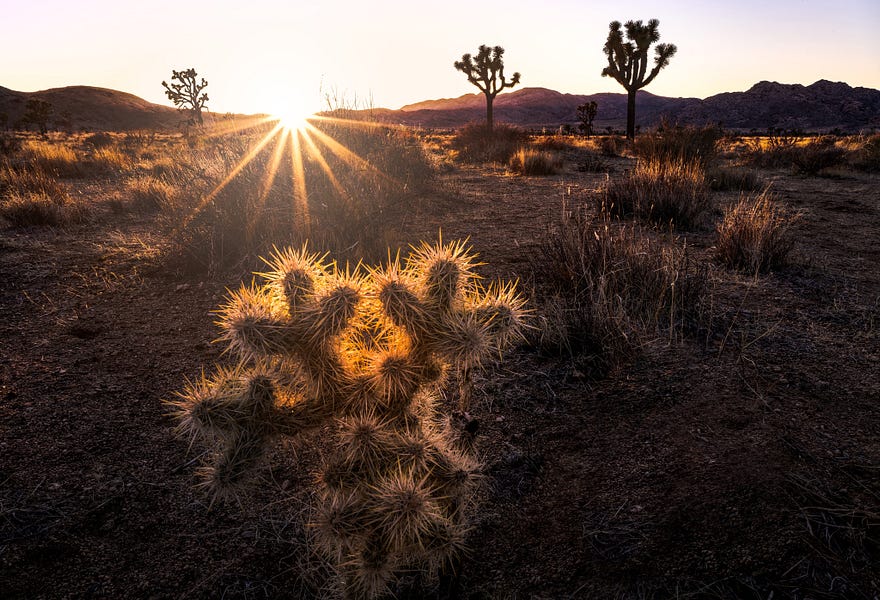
{"type": "Point", "coordinates": [743, 463]}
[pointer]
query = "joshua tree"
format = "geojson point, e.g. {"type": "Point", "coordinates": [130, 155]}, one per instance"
{"type": "Point", "coordinates": [366, 353]}
{"type": "Point", "coordinates": [586, 113]}
{"type": "Point", "coordinates": [187, 94]}
{"type": "Point", "coordinates": [628, 60]}
{"type": "Point", "coordinates": [486, 71]}
{"type": "Point", "coordinates": [37, 112]}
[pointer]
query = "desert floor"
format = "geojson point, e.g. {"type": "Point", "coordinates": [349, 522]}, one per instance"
{"type": "Point", "coordinates": [742, 461]}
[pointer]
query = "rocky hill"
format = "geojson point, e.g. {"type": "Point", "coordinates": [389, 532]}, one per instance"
{"type": "Point", "coordinates": [91, 108]}
{"type": "Point", "coordinates": [823, 105]}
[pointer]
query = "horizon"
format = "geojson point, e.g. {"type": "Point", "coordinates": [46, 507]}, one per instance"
{"type": "Point", "coordinates": [252, 56]}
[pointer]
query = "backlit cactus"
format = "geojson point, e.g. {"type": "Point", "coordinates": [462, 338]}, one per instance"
{"type": "Point", "coordinates": [367, 351]}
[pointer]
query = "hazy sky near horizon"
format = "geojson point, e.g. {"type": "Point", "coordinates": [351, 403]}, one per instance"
{"type": "Point", "coordinates": [261, 54]}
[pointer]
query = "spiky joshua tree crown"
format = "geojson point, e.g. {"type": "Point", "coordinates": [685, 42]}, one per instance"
{"type": "Point", "coordinates": [367, 351]}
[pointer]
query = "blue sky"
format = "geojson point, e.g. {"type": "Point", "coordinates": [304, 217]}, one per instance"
{"type": "Point", "coordinates": [261, 54]}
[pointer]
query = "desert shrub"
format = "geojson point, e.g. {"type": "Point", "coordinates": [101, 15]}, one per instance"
{"type": "Point", "coordinates": [677, 143]}
{"type": "Point", "coordinates": [592, 163]}
{"type": "Point", "coordinates": [817, 155]}
{"type": "Point", "coordinates": [474, 143]}
{"type": "Point", "coordinates": [722, 179]}
{"type": "Point", "coordinates": [101, 139]}
{"type": "Point", "coordinates": [362, 357]}
{"type": "Point", "coordinates": [53, 158]}
{"type": "Point", "coordinates": [604, 283]}
{"type": "Point", "coordinates": [344, 184]}
{"type": "Point", "coordinates": [867, 157]}
{"type": "Point", "coordinates": [24, 181]}
{"type": "Point", "coordinates": [107, 161]}
{"type": "Point", "coordinates": [755, 234]}
{"type": "Point", "coordinates": [611, 145]}
{"type": "Point", "coordinates": [151, 194]}
{"type": "Point", "coordinates": [774, 151]}
{"type": "Point", "coordinates": [38, 209]}
{"type": "Point", "coordinates": [554, 143]}
{"type": "Point", "coordinates": [9, 143]}
{"type": "Point", "coordinates": [31, 209]}
{"type": "Point", "coordinates": [527, 161]}
{"type": "Point", "coordinates": [659, 191]}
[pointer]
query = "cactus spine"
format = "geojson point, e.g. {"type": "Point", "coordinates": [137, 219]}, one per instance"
{"type": "Point", "coordinates": [368, 352]}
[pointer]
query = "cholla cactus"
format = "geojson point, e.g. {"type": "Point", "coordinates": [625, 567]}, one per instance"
{"type": "Point", "coordinates": [368, 352]}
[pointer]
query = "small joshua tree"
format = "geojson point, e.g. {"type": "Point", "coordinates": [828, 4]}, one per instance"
{"type": "Point", "coordinates": [486, 71]}
{"type": "Point", "coordinates": [628, 60]}
{"type": "Point", "coordinates": [586, 113]}
{"type": "Point", "coordinates": [367, 353]}
{"type": "Point", "coordinates": [37, 112]}
{"type": "Point", "coordinates": [187, 94]}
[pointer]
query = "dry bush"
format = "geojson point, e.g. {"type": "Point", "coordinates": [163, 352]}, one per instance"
{"type": "Point", "coordinates": [10, 144]}
{"type": "Point", "coordinates": [592, 163]}
{"type": "Point", "coordinates": [722, 179]}
{"type": "Point", "coordinates": [555, 143]}
{"type": "Point", "coordinates": [755, 234]}
{"type": "Point", "coordinates": [605, 284]}
{"type": "Point", "coordinates": [107, 161]}
{"type": "Point", "coordinates": [360, 181]}
{"type": "Point", "coordinates": [678, 143]}
{"type": "Point", "coordinates": [527, 161]}
{"type": "Point", "coordinates": [151, 194]}
{"type": "Point", "coordinates": [474, 143]}
{"type": "Point", "coordinates": [38, 209]}
{"type": "Point", "coordinates": [612, 145]}
{"type": "Point", "coordinates": [53, 158]}
{"type": "Point", "coordinates": [866, 157]}
{"type": "Point", "coordinates": [659, 191]}
{"type": "Point", "coordinates": [817, 155]}
{"type": "Point", "coordinates": [102, 139]}
{"type": "Point", "coordinates": [776, 150]}
{"type": "Point", "coordinates": [23, 181]}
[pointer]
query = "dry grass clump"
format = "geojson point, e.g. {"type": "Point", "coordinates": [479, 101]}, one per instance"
{"type": "Point", "coordinates": [528, 161]}
{"type": "Point", "coordinates": [723, 179]}
{"type": "Point", "coordinates": [659, 191]}
{"type": "Point", "coordinates": [474, 143]}
{"type": "Point", "coordinates": [591, 162]}
{"type": "Point", "coordinates": [349, 190]}
{"type": "Point", "coordinates": [678, 143]}
{"type": "Point", "coordinates": [755, 234]}
{"type": "Point", "coordinates": [32, 209]}
{"type": "Point", "coordinates": [53, 158]}
{"type": "Point", "coordinates": [21, 180]}
{"type": "Point", "coordinates": [605, 284]}
{"type": "Point", "coordinates": [151, 194]}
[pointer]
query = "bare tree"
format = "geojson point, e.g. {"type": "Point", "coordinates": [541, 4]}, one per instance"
{"type": "Point", "coordinates": [628, 60]}
{"type": "Point", "coordinates": [486, 71]}
{"type": "Point", "coordinates": [187, 94]}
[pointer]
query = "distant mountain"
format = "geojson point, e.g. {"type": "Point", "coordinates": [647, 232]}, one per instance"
{"type": "Point", "coordinates": [91, 108]}
{"type": "Point", "coordinates": [821, 106]}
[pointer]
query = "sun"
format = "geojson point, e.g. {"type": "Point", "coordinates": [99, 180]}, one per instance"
{"type": "Point", "coordinates": [291, 113]}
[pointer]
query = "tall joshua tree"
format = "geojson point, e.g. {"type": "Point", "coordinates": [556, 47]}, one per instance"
{"type": "Point", "coordinates": [486, 71]}
{"type": "Point", "coordinates": [187, 94]}
{"type": "Point", "coordinates": [628, 60]}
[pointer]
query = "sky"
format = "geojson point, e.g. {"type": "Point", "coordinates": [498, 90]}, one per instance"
{"type": "Point", "coordinates": [285, 56]}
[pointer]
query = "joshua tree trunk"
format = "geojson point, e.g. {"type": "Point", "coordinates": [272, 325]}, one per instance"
{"type": "Point", "coordinates": [631, 114]}
{"type": "Point", "coordinates": [489, 119]}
